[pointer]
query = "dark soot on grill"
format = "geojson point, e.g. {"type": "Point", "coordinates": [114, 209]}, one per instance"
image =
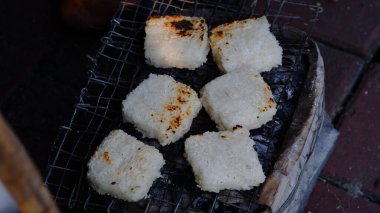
{"type": "Point", "coordinates": [183, 25]}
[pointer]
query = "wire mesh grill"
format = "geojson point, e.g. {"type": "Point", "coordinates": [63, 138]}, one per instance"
{"type": "Point", "coordinates": [119, 66]}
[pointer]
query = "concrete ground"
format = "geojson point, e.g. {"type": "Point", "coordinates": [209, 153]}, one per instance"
{"type": "Point", "coordinates": [43, 66]}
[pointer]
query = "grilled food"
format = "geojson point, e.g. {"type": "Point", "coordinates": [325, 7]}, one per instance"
{"type": "Point", "coordinates": [245, 46]}
{"type": "Point", "coordinates": [238, 99]}
{"type": "Point", "coordinates": [124, 167]}
{"type": "Point", "coordinates": [176, 41]}
{"type": "Point", "coordinates": [162, 108]}
{"type": "Point", "coordinates": [224, 160]}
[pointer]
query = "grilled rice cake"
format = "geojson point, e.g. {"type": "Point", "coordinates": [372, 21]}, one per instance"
{"type": "Point", "coordinates": [245, 46]}
{"type": "Point", "coordinates": [224, 160]}
{"type": "Point", "coordinates": [238, 99]}
{"type": "Point", "coordinates": [124, 167]}
{"type": "Point", "coordinates": [176, 41]}
{"type": "Point", "coordinates": [162, 108]}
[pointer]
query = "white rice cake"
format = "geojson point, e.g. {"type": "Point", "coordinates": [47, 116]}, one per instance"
{"type": "Point", "coordinates": [124, 167]}
{"type": "Point", "coordinates": [176, 41]}
{"type": "Point", "coordinates": [224, 160]}
{"type": "Point", "coordinates": [238, 99]}
{"type": "Point", "coordinates": [245, 46]}
{"type": "Point", "coordinates": [162, 108]}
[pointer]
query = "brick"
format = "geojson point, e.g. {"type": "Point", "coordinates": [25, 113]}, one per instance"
{"type": "Point", "coordinates": [350, 24]}
{"type": "Point", "coordinates": [341, 69]}
{"type": "Point", "coordinates": [355, 160]}
{"type": "Point", "coordinates": [326, 198]}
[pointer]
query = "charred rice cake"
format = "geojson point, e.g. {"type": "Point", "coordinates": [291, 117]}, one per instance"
{"type": "Point", "coordinates": [224, 160]}
{"type": "Point", "coordinates": [238, 99]}
{"type": "Point", "coordinates": [124, 167]}
{"type": "Point", "coordinates": [162, 108]}
{"type": "Point", "coordinates": [245, 46]}
{"type": "Point", "coordinates": [176, 41]}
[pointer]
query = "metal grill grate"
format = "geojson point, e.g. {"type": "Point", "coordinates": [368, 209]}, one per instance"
{"type": "Point", "coordinates": [119, 66]}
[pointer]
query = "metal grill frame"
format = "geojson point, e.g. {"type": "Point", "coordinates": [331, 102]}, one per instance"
{"type": "Point", "coordinates": [113, 75]}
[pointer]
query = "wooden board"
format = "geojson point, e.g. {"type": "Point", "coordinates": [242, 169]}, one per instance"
{"type": "Point", "coordinates": [19, 175]}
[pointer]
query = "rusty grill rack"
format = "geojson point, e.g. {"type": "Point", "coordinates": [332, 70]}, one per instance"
{"type": "Point", "coordinates": [119, 66]}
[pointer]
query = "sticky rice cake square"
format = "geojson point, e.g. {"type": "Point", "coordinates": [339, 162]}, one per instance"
{"type": "Point", "coordinates": [238, 99]}
{"type": "Point", "coordinates": [161, 108]}
{"type": "Point", "coordinates": [124, 167]}
{"type": "Point", "coordinates": [176, 41]}
{"type": "Point", "coordinates": [245, 46]}
{"type": "Point", "coordinates": [224, 160]}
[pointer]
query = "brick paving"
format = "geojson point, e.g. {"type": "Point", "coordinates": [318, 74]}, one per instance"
{"type": "Point", "coordinates": [350, 24]}
{"type": "Point", "coordinates": [351, 30]}
{"type": "Point", "coordinates": [329, 199]}
{"type": "Point", "coordinates": [343, 66]}
{"type": "Point", "coordinates": [359, 143]}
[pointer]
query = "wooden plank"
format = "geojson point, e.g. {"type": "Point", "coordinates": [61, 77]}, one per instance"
{"type": "Point", "coordinates": [19, 175]}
